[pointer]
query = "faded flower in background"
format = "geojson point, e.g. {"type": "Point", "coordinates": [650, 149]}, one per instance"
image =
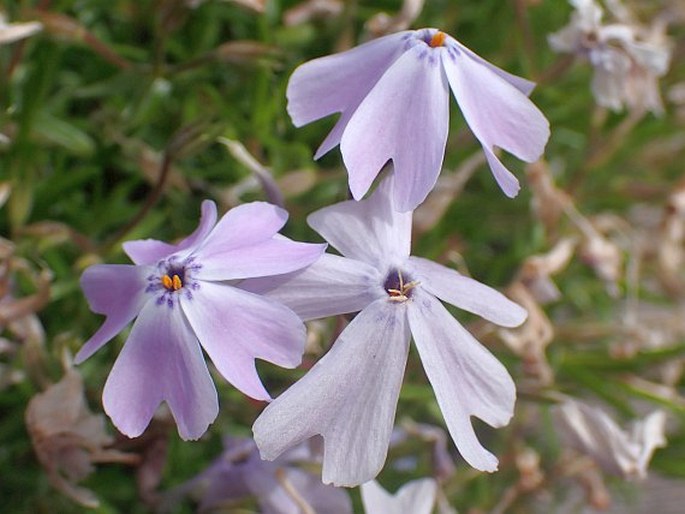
{"type": "Point", "coordinates": [309, 10]}
{"type": "Point", "coordinates": [280, 487]}
{"type": "Point", "coordinates": [628, 59]}
{"type": "Point", "coordinates": [68, 439]}
{"type": "Point", "coordinates": [416, 497]}
{"type": "Point", "coordinates": [532, 288]}
{"type": "Point", "coordinates": [21, 331]}
{"type": "Point", "coordinates": [184, 302]}
{"type": "Point", "coordinates": [592, 432]}
{"type": "Point", "coordinates": [257, 6]}
{"type": "Point", "coordinates": [382, 23]}
{"type": "Point", "coordinates": [393, 96]}
{"type": "Point", "coordinates": [350, 395]}
{"type": "Point", "coordinates": [11, 32]}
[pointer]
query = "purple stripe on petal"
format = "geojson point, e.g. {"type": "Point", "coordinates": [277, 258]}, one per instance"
{"type": "Point", "coordinates": [404, 118]}
{"type": "Point", "coordinates": [349, 397]}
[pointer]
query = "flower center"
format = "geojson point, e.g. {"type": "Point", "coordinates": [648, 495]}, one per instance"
{"type": "Point", "coordinates": [173, 278]}
{"type": "Point", "coordinates": [437, 40]}
{"type": "Point", "coordinates": [398, 286]}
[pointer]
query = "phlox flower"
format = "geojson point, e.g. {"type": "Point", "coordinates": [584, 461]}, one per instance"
{"type": "Point", "coordinates": [417, 497]}
{"type": "Point", "coordinates": [183, 299]}
{"type": "Point", "coordinates": [393, 96]}
{"type": "Point", "coordinates": [350, 395]}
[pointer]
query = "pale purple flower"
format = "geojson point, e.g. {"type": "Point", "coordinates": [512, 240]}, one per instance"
{"type": "Point", "coordinates": [280, 487]}
{"type": "Point", "coordinates": [393, 93]}
{"type": "Point", "coordinates": [350, 395]}
{"type": "Point", "coordinates": [184, 302]}
{"type": "Point", "coordinates": [416, 497]}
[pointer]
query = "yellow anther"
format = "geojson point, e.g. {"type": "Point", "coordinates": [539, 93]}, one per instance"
{"type": "Point", "coordinates": [172, 283]}
{"type": "Point", "coordinates": [167, 282]}
{"type": "Point", "coordinates": [438, 39]}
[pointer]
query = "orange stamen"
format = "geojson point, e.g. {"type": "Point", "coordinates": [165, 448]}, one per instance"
{"type": "Point", "coordinates": [438, 39]}
{"type": "Point", "coordinates": [167, 282]}
{"type": "Point", "coordinates": [172, 283]}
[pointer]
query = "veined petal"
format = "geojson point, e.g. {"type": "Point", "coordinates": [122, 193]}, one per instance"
{"type": "Point", "coordinates": [404, 118]}
{"type": "Point", "coordinates": [349, 397]}
{"type": "Point", "coordinates": [161, 361]}
{"type": "Point", "coordinates": [149, 251]}
{"type": "Point", "coordinates": [498, 113]}
{"type": "Point", "coordinates": [332, 285]}
{"type": "Point", "coordinates": [339, 82]}
{"type": "Point", "coordinates": [118, 292]}
{"type": "Point", "coordinates": [235, 327]}
{"type": "Point", "coordinates": [370, 230]}
{"type": "Point", "coordinates": [466, 293]}
{"type": "Point", "coordinates": [243, 226]}
{"type": "Point", "coordinates": [271, 257]}
{"type": "Point", "coordinates": [467, 379]}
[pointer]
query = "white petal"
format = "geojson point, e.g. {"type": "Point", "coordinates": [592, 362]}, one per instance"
{"type": "Point", "coordinates": [349, 397]}
{"type": "Point", "coordinates": [416, 497]}
{"type": "Point", "coordinates": [336, 83]}
{"type": "Point", "coordinates": [467, 379]}
{"type": "Point", "coordinates": [648, 433]}
{"type": "Point", "coordinates": [332, 285]}
{"type": "Point", "coordinates": [370, 230]}
{"type": "Point", "coordinates": [375, 499]}
{"type": "Point", "coordinates": [404, 118]}
{"type": "Point", "coordinates": [466, 293]}
{"type": "Point", "coordinates": [12, 32]}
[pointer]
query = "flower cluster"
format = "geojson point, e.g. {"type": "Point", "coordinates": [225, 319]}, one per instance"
{"type": "Point", "coordinates": [240, 291]}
